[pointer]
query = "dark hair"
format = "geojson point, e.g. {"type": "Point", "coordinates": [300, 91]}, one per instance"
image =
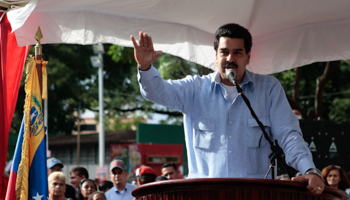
{"type": "Point", "coordinates": [344, 182]}
{"type": "Point", "coordinates": [233, 31]}
{"type": "Point", "coordinates": [97, 192]}
{"type": "Point", "coordinates": [170, 164]}
{"type": "Point", "coordinates": [105, 185]}
{"type": "Point", "coordinates": [161, 178]}
{"type": "Point", "coordinates": [79, 196]}
{"type": "Point", "coordinates": [80, 171]}
{"type": "Point", "coordinates": [147, 178]}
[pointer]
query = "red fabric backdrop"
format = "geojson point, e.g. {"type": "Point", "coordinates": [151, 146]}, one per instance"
{"type": "Point", "coordinates": [12, 61]}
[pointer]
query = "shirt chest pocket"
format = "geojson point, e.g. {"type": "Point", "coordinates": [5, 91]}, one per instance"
{"type": "Point", "coordinates": [203, 133]}
{"type": "Point", "coordinates": [254, 136]}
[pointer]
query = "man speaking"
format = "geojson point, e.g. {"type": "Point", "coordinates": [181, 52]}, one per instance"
{"type": "Point", "coordinates": [222, 138]}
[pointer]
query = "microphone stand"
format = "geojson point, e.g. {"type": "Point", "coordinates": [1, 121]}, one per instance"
{"type": "Point", "coordinates": [277, 151]}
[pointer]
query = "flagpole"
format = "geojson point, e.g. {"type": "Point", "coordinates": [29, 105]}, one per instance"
{"type": "Point", "coordinates": [38, 53]}
{"type": "Point", "coordinates": [38, 59]}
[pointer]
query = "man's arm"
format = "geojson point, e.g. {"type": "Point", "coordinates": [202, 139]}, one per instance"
{"type": "Point", "coordinates": [144, 52]}
{"type": "Point", "coordinates": [287, 131]}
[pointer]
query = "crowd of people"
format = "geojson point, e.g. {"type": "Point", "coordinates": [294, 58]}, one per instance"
{"type": "Point", "coordinates": [81, 187]}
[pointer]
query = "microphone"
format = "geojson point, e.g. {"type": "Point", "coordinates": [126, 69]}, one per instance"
{"type": "Point", "coordinates": [231, 74]}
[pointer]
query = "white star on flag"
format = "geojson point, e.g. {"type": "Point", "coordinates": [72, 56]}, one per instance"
{"type": "Point", "coordinates": [38, 197]}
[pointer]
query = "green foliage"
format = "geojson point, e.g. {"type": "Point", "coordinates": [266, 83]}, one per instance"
{"type": "Point", "coordinates": [340, 109]}
{"type": "Point", "coordinates": [334, 99]}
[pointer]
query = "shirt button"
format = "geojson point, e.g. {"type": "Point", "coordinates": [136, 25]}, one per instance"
{"type": "Point", "coordinates": [230, 167]}
{"type": "Point", "coordinates": [230, 122]}
{"type": "Point", "coordinates": [229, 151]}
{"type": "Point", "coordinates": [229, 136]}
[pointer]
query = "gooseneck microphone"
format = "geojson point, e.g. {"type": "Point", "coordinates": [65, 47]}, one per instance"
{"type": "Point", "coordinates": [231, 74]}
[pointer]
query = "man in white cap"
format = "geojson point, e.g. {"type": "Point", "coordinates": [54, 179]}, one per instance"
{"type": "Point", "coordinates": [55, 165]}
{"type": "Point", "coordinates": [122, 189]}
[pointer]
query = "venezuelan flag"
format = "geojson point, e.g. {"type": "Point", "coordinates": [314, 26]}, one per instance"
{"type": "Point", "coordinates": [28, 178]}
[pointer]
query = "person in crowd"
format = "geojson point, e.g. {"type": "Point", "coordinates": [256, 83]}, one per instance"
{"type": "Point", "coordinates": [77, 174]}
{"type": "Point", "coordinates": [97, 196]}
{"type": "Point", "coordinates": [97, 182]}
{"type": "Point", "coordinates": [334, 176]}
{"type": "Point", "coordinates": [85, 189]}
{"type": "Point", "coordinates": [57, 186]}
{"type": "Point", "coordinates": [55, 165]}
{"type": "Point", "coordinates": [161, 178]}
{"type": "Point", "coordinates": [222, 138]}
{"type": "Point", "coordinates": [170, 171]}
{"type": "Point", "coordinates": [104, 186]}
{"type": "Point", "coordinates": [122, 189]}
{"type": "Point", "coordinates": [145, 175]}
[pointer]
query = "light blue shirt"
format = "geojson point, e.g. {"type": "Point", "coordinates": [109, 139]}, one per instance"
{"type": "Point", "coordinates": [222, 138]}
{"type": "Point", "coordinates": [114, 194]}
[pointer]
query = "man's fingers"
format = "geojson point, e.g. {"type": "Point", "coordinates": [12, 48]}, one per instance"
{"type": "Point", "coordinates": [158, 53]}
{"type": "Point", "coordinates": [315, 184]}
{"type": "Point", "coordinates": [141, 39]}
{"type": "Point", "coordinates": [150, 42]}
{"type": "Point", "coordinates": [300, 179]}
{"type": "Point", "coordinates": [315, 189]}
{"type": "Point", "coordinates": [134, 41]}
{"type": "Point", "coordinates": [145, 38]}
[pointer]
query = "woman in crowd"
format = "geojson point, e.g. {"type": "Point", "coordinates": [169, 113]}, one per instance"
{"type": "Point", "coordinates": [57, 186]}
{"type": "Point", "coordinates": [334, 176]}
{"type": "Point", "coordinates": [85, 189]}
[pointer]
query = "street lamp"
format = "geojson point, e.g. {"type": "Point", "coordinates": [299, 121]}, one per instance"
{"type": "Point", "coordinates": [97, 61]}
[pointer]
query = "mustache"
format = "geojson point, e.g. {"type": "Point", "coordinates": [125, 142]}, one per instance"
{"type": "Point", "coordinates": [226, 65]}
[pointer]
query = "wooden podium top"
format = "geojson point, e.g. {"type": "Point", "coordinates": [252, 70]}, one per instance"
{"type": "Point", "coordinates": [232, 188]}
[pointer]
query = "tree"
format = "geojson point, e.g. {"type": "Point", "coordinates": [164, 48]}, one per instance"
{"type": "Point", "coordinates": [316, 90]}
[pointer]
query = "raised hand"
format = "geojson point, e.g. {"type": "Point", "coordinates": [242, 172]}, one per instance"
{"type": "Point", "coordinates": [144, 52]}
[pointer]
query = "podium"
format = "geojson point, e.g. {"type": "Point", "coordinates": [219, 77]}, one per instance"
{"type": "Point", "coordinates": [232, 188]}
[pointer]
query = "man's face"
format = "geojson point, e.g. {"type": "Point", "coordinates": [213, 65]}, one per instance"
{"type": "Point", "coordinates": [118, 177]}
{"type": "Point", "coordinates": [75, 179]}
{"type": "Point", "coordinates": [231, 50]}
{"type": "Point", "coordinates": [55, 168]}
{"type": "Point", "coordinates": [57, 188]}
{"type": "Point", "coordinates": [170, 173]}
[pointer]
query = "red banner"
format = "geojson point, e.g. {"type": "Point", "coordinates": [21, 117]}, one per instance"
{"type": "Point", "coordinates": [12, 60]}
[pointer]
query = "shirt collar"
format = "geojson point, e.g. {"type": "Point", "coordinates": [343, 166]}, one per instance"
{"type": "Point", "coordinates": [117, 191]}
{"type": "Point", "coordinates": [216, 80]}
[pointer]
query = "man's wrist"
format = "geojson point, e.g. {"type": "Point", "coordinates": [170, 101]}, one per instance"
{"type": "Point", "coordinates": [314, 171]}
{"type": "Point", "coordinates": [144, 68]}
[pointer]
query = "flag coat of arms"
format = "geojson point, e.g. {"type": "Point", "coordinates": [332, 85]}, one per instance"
{"type": "Point", "coordinates": [28, 178]}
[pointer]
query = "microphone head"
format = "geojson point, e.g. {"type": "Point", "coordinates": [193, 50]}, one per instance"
{"type": "Point", "coordinates": [231, 74]}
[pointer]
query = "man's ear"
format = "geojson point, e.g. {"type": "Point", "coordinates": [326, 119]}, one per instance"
{"type": "Point", "coordinates": [248, 59]}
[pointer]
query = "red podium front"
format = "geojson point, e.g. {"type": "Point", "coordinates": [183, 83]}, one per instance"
{"type": "Point", "coordinates": [232, 188]}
